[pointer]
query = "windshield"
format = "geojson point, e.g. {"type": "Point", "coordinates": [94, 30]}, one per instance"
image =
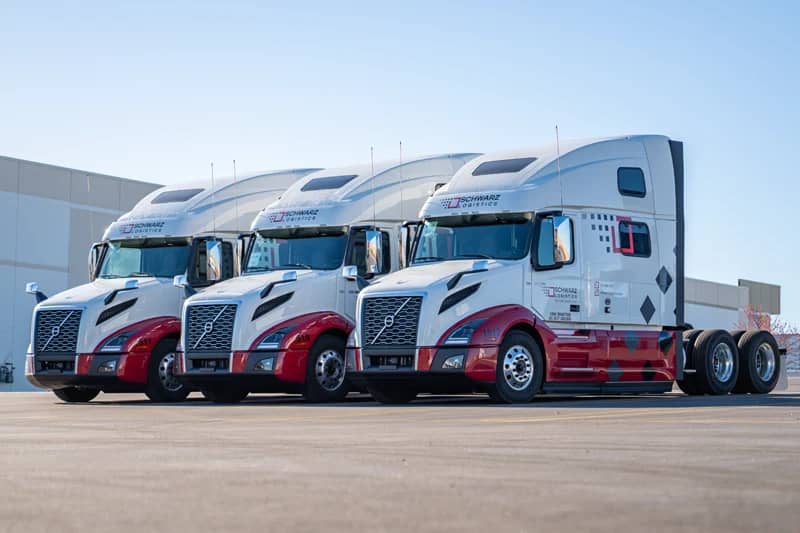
{"type": "Point", "coordinates": [311, 248]}
{"type": "Point", "coordinates": [503, 236]}
{"type": "Point", "coordinates": [161, 258]}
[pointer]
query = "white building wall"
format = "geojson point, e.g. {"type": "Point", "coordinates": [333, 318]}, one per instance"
{"type": "Point", "coordinates": [50, 215]}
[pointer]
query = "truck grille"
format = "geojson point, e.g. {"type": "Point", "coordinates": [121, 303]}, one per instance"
{"type": "Point", "coordinates": [57, 331]}
{"type": "Point", "coordinates": [390, 320]}
{"type": "Point", "coordinates": [209, 328]}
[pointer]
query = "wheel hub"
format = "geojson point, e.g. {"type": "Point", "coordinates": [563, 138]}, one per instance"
{"type": "Point", "coordinates": [166, 373]}
{"type": "Point", "coordinates": [722, 362]}
{"type": "Point", "coordinates": [518, 367]}
{"type": "Point", "coordinates": [765, 361]}
{"type": "Point", "coordinates": [329, 370]}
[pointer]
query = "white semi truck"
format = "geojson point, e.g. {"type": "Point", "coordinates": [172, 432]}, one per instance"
{"type": "Point", "coordinates": [544, 272]}
{"type": "Point", "coordinates": [118, 332]}
{"type": "Point", "coordinates": [282, 325]}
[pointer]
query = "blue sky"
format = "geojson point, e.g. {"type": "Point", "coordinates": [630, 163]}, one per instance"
{"type": "Point", "coordinates": [157, 90]}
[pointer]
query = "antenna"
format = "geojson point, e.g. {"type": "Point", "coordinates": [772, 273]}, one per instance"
{"type": "Point", "coordinates": [372, 164]}
{"type": "Point", "coordinates": [558, 167]}
{"type": "Point", "coordinates": [235, 199]}
{"type": "Point", "coordinates": [401, 182]}
{"type": "Point", "coordinates": [213, 194]}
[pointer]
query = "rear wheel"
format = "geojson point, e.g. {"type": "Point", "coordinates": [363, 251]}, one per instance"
{"type": "Point", "coordinates": [520, 369]}
{"type": "Point", "coordinates": [760, 363]}
{"type": "Point", "coordinates": [690, 384]}
{"type": "Point", "coordinates": [716, 360]}
{"type": "Point", "coordinates": [392, 393]}
{"type": "Point", "coordinates": [76, 395]}
{"type": "Point", "coordinates": [162, 385]}
{"type": "Point", "coordinates": [224, 394]}
{"type": "Point", "coordinates": [325, 370]}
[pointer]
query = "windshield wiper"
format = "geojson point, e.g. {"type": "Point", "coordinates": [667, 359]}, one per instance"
{"type": "Point", "coordinates": [258, 269]}
{"type": "Point", "coordinates": [472, 256]}
{"type": "Point", "coordinates": [110, 276]}
{"type": "Point", "coordinates": [294, 265]}
{"type": "Point", "coordinates": [428, 259]}
{"type": "Point", "coordinates": [142, 275]}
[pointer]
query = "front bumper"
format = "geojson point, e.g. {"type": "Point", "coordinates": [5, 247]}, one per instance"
{"type": "Point", "coordinates": [256, 371]}
{"type": "Point", "coordinates": [59, 371]}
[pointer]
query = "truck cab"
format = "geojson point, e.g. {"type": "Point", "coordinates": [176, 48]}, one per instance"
{"type": "Point", "coordinates": [118, 332]}
{"type": "Point", "coordinates": [282, 325]}
{"type": "Point", "coordinates": [547, 270]}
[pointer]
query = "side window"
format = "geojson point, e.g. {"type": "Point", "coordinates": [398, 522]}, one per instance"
{"type": "Point", "coordinates": [554, 245]}
{"type": "Point", "coordinates": [357, 255]}
{"type": "Point", "coordinates": [634, 239]}
{"type": "Point", "coordinates": [630, 182]}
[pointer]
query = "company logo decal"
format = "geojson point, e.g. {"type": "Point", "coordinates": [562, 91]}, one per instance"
{"type": "Point", "coordinates": [143, 227]}
{"type": "Point", "coordinates": [388, 321]}
{"type": "Point", "coordinates": [296, 215]}
{"type": "Point", "coordinates": [471, 201]}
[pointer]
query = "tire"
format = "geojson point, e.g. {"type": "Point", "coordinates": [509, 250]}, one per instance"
{"type": "Point", "coordinates": [716, 361]}
{"type": "Point", "coordinates": [520, 368]}
{"type": "Point", "coordinates": [162, 386]}
{"type": "Point", "coordinates": [325, 370]}
{"type": "Point", "coordinates": [689, 384]}
{"type": "Point", "coordinates": [225, 394]}
{"type": "Point", "coordinates": [75, 395]}
{"type": "Point", "coordinates": [760, 363]}
{"type": "Point", "coordinates": [737, 334]}
{"type": "Point", "coordinates": [391, 393]}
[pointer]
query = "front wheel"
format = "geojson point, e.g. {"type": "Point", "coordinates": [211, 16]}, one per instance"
{"type": "Point", "coordinates": [325, 371]}
{"type": "Point", "coordinates": [162, 385]}
{"type": "Point", "coordinates": [520, 369]}
{"type": "Point", "coordinates": [76, 395]}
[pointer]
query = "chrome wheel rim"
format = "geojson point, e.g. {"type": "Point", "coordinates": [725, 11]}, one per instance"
{"type": "Point", "coordinates": [765, 361]}
{"type": "Point", "coordinates": [166, 373]}
{"type": "Point", "coordinates": [329, 370]}
{"type": "Point", "coordinates": [518, 367]}
{"type": "Point", "coordinates": [722, 362]}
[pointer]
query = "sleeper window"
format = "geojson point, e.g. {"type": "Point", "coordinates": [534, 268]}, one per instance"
{"type": "Point", "coordinates": [634, 239]}
{"type": "Point", "coordinates": [630, 181]}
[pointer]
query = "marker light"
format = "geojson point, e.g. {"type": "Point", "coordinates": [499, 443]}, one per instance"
{"type": "Point", "coordinates": [266, 364]}
{"type": "Point", "coordinates": [463, 334]}
{"type": "Point", "coordinates": [107, 367]}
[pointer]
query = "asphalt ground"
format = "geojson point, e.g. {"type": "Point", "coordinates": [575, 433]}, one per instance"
{"type": "Point", "coordinates": [275, 463]}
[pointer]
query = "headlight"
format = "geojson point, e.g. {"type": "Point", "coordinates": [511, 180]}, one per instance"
{"type": "Point", "coordinates": [274, 339]}
{"type": "Point", "coordinates": [464, 333]}
{"type": "Point", "coordinates": [115, 344]}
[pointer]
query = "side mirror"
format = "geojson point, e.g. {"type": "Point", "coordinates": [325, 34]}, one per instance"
{"type": "Point", "coordinates": [213, 260]}
{"type": "Point", "coordinates": [180, 281]}
{"type": "Point", "coordinates": [562, 240]}
{"type": "Point", "coordinates": [95, 252]}
{"type": "Point", "coordinates": [350, 272]}
{"type": "Point", "coordinates": [374, 257]}
{"type": "Point", "coordinates": [33, 288]}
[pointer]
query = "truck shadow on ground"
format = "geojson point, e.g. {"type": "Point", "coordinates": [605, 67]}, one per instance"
{"type": "Point", "coordinates": [671, 400]}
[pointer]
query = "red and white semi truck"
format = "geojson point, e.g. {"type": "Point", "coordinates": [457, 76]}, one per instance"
{"type": "Point", "coordinates": [544, 272]}
{"type": "Point", "coordinates": [118, 332]}
{"type": "Point", "coordinates": [282, 325]}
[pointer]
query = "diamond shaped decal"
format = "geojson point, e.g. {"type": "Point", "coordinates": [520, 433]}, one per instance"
{"type": "Point", "coordinates": [631, 340]}
{"type": "Point", "coordinates": [664, 280]}
{"type": "Point", "coordinates": [647, 309]}
{"type": "Point", "coordinates": [665, 341]}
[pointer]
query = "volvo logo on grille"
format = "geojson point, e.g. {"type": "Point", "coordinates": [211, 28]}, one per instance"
{"type": "Point", "coordinates": [208, 327]}
{"type": "Point", "coordinates": [55, 332]}
{"type": "Point", "coordinates": [388, 321]}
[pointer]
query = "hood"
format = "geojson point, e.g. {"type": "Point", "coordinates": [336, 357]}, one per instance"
{"type": "Point", "coordinates": [312, 291]}
{"type": "Point", "coordinates": [499, 282]}
{"type": "Point", "coordinates": [155, 297]}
